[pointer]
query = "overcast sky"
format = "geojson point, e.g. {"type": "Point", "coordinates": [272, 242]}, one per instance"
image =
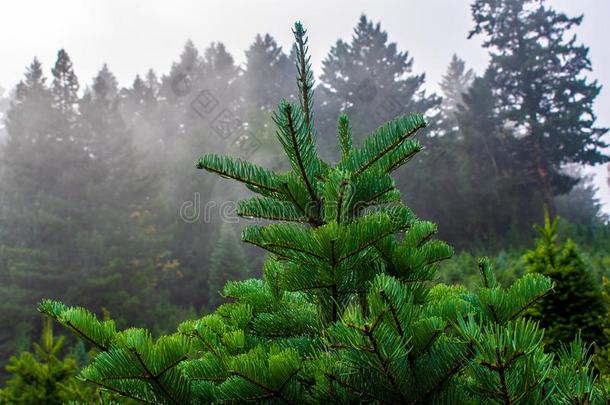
{"type": "Point", "coordinates": [133, 36]}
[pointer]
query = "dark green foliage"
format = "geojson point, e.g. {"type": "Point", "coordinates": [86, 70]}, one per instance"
{"type": "Point", "coordinates": [346, 311]}
{"type": "Point", "coordinates": [44, 376]}
{"type": "Point", "coordinates": [93, 181]}
{"type": "Point", "coordinates": [538, 76]}
{"type": "Point", "coordinates": [228, 261]}
{"type": "Point", "coordinates": [602, 353]}
{"type": "Point", "coordinates": [490, 191]}
{"type": "Point", "coordinates": [496, 193]}
{"type": "Point", "coordinates": [78, 214]}
{"type": "Point", "coordinates": [503, 140]}
{"type": "Point", "coordinates": [575, 305]}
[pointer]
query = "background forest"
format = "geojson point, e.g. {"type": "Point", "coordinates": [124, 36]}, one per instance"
{"type": "Point", "coordinates": [100, 204]}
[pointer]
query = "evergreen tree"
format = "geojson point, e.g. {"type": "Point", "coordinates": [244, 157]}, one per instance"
{"type": "Point", "coordinates": [44, 377]}
{"type": "Point", "coordinates": [371, 80]}
{"type": "Point", "coordinates": [64, 233]}
{"type": "Point", "coordinates": [575, 305]}
{"type": "Point", "coordinates": [437, 164]}
{"type": "Point", "coordinates": [496, 191]}
{"type": "Point", "coordinates": [454, 84]}
{"type": "Point", "coordinates": [539, 79]}
{"type": "Point", "coordinates": [215, 125]}
{"type": "Point", "coordinates": [345, 312]}
{"type": "Point", "coordinates": [179, 82]}
{"type": "Point", "coordinates": [65, 85]}
{"type": "Point", "coordinates": [33, 206]}
{"type": "Point", "coordinates": [268, 74]}
{"type": "Point", "coordinates": [122, 240]}
{"type": "Point", "coordinates": [581, 206]}
{"type": "Point", "coordinates": [141, 111]}
{"type": "Point", "coordinates": [490, 192]}
{"type": "Point", "coordinates": [105, 85]}
{"type": "Point", "coordinates": [228, 262]}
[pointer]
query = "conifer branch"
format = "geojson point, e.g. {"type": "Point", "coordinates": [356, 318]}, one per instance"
{"type": "Point", "coordinates": [371, 199]}
{"type": "Point", "coordinates": [455, 369]}
{"type": "Point", "coordinates": [272, 392]}
{"type": "Point", "coordinates": [334, 295]}
{"type": "Point", "coordinates": [431, 340]}
{"type": "Point", "coordinates": [237, 169]}
{"type": "Point", "coordinates": [125, 394]}
{"type": "Point", "coordinates": [384, 140]}
{"type": "Point", "coordinates": [383, 363]}
{"type": "Point", "coordinates": [355, 390]}
{"type": "Point", "coordinates": [73, 328]}
{"type": "Point", "coordinates": [502, 375]}
{"type": "Point", "coordinates": [292, 199]}
{"type": "Point", "coordinates": [394, 313]}
{"type": "Point", "coordinates": [154, 378]}
{"type": "Point", "coordinates": [365, 245]}
{"type": "Point", "coordinates": [528, 305]}
{"type": "Point", "coordinates": [342, 190]}
{"type": "Point", "coordinates": [345, 135]}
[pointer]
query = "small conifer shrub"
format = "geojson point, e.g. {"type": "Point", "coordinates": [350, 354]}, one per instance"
{"type": "Point", "coordinates": [576, 305]}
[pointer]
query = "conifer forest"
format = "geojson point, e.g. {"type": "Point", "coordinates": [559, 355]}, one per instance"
{"type": "Point", "coordinates": [260, 226]}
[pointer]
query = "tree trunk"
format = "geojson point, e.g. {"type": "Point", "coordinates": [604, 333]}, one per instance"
{"type": "Point", "coordinates": [545, 181]}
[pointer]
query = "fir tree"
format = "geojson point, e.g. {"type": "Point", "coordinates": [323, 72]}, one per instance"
{"type": "Point", "coordinates": [581, 206]}
{"type": "Point", "coordinates": [44, 377]}
{"type": "Point", "coordinates": [268, 74]}
{"type": "Point", "coordinates": [539, 78]}
{"type": "Point", "coordinates": [65, 84]}
{"type": "Point", "coordinates": [490, 192]}
{"type": "Point", "coordinates": [228, 262]}
{"type": "Point", "coordinates": [187, 129]}
{"type": "Point", "coordinates": [105, 85]}
{"type": "Point", "coordinates": [496, 191]}
{"type": "Point", "coordinates": [575, 305]}
{"type": "Point", "coordinates": [346, 311]}
{"type": "Point", "coordinates": [371, 80]}
{"type": "Point", "coordinates": [454, 84]}
{"type": "Point", "coordinates": [63, 232]}
{"type": "Point", "coordinates": [33, 205]}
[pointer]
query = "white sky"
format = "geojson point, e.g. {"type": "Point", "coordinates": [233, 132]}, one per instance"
{"type": "Point", "coordinates": [134, 35]}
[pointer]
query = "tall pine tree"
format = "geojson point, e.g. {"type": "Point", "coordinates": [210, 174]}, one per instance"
{"type": "Point", "coordinates": [228, 261]}
{"type": "Point", "coordinates": [454, 84]}
{"type": "Point", "coordinates": [76, 215]}
{"type": "Point", "coordinates": [35, 237]}
{"type": "Point", "coordinates": [370, 79]}
{"type": "Point", "coordinates": [268, 74]}
{"type": "Point", "coordinates": [540, 81]}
